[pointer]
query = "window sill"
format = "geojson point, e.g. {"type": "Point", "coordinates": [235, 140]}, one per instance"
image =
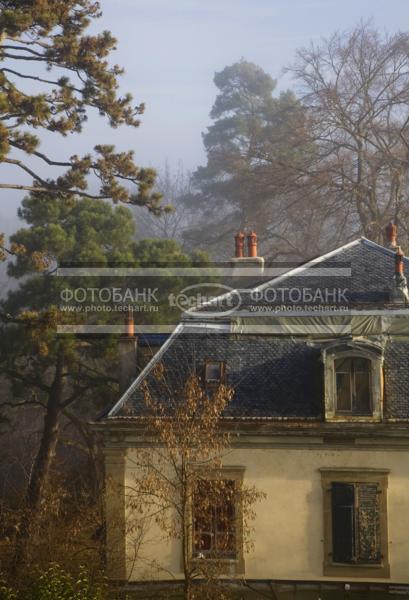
{"type": "Point", "coordinates": [358, 565]}
{"type": "Point", "coordinates": [357, 570]}
{"type": "Point", "coordinates": [224, 560]}
{"type": "Point", "coordinates": [348, 418]}
{"type": "Point", "coordinates": [228, 566]}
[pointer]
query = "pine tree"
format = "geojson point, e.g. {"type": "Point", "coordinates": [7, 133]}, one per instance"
{"type": "Point", "coordinates": [44, 45]}
{"type": "Point", "coordinates": [65, 376]}
{"type": "Point", "coordinates": [252, 147]}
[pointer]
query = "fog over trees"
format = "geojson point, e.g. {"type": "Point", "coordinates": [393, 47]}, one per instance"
{"type": "Point", "coordinates": [312, 167]}
{"type": "Point", "coordinates": [308, 168]}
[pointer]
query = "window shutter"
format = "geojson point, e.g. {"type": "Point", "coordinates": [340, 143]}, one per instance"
{"type": "Point", "coordinates": [343, 522]}
{"type": "Point", "coordinates": [368, 523]}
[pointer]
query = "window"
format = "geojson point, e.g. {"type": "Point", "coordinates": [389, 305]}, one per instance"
{"type": "Point", "coordinates": [353, 385]}
{"type": "Point", "coordinates": [217, 519]}
{"type": "Point", "coordinates": [214, 371]}
{"type": "Point", "coordinates": [355, 523]}
{"type": "Point", "coordinates": [353, 381]}
{"type": "Point", "coordinates": [214, 519]}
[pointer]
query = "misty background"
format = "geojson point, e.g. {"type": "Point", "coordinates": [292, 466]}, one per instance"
{"type": "Point", "coordinates": [171, 52]}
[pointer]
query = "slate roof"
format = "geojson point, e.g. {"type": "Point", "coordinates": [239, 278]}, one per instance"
{"type": "Point", "coordinates": [363, 268]}
{"type": "Point", "coordinates": [281, 377]}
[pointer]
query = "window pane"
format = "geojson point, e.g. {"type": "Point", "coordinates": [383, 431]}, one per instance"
{"type": "Point", "coordinates": [343, 391]}
{"type": "Point", "coordinates": [343, 522]}
{"type": "Point", "coordinates": [343, 365]}
{"type": "Point", "coordinates": [203, 519]}
{"type": "Point", "coordinates": [213, 371]}
{"type": "Point", "coordinates": [225, 544]}
{"type": "Point", "coordinates": [203, 542]}
{"type": "Point", "coordinates": [362, 392]}
{"type": "Point", "coordinates": [353, 385]}
{"type": "Point", "coordinates": [361, 365]}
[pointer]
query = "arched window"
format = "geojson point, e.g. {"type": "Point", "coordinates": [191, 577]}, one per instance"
{"type": "Point", "coordinates": [353, 385]}
{"type": "Point", "coordinates": [353, 381]}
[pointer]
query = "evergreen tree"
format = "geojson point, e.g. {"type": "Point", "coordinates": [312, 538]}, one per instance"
{"type": "Point", "coordinates": [45, 43]}
{"type": "Point", "coordinates": [252, 147]}
{"type": "Point", "coordinates": [66, 376]}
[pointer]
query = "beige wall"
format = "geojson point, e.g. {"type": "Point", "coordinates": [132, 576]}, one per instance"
{"type": "Point", "coordinates": [289, 524]}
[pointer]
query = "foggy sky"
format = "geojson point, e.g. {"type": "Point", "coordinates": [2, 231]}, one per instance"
{"type": "Point", "coordinates": [171, 49]}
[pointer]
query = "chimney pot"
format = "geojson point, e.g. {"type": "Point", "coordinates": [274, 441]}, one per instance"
{"type": "Point", "coordinates": [129, 325]}
{"type": "Point", "coordinates": [391, 234]}
{"type": "Point", "coordinates": [239, 241]}
{"type": "Point", "coordinates": [399, 264]}
{"type": "Point", "coordinates": [127, 350]}
{"type": "Point", "coordinates": [400, 289]}
{"type": "Point", "coordinates": [246, 265]}
{"type": "Point", "coordinates": [252, 244]}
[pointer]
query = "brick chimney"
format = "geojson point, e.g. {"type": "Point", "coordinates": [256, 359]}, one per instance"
{"type": "Point", "coordinates": [400, 293]}
{"type": "Point", "coordinates": [250, 264]}
{"type": "Point", "coordinates": [391, 231]}
{"type": "Point", "coordinates": [127, 351]}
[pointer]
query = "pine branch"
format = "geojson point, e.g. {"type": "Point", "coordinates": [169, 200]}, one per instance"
{"type": "Point", "coordinates": [40, 79]}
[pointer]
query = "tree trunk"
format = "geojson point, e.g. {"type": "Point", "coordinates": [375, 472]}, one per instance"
{"type": "Point", "coordinates": [41, 469]}
{"type": "Point", "coordinates": [186, 529]}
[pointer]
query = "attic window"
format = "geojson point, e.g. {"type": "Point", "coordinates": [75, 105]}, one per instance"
{"type": "Point", "coordinates": [353, 382]}
{"type": "Point", "coordinates": [214, 371]}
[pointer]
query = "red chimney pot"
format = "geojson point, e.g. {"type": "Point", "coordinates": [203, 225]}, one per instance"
{"type": "Point", "coordinates": [129, 325]}
{"type": "Point", "coordinates": [239, 240]}
{"type": "Point", "coordinates": [252, 244]}
{"type": "Point", "coordinates": [399, 264]}
{"type": "Point", "coordinates": [391, 234]}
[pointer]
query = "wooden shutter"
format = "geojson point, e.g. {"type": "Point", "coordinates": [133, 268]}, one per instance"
{"type": "Point", "coordinates": [368, 523]}
{"type": "Point", "coordinates": [343, 522]}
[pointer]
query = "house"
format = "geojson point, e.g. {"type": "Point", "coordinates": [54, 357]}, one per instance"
{"type": "Point", "coordinates": [319, 361]}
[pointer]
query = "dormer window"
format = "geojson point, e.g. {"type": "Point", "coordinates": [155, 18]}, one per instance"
{"type": "Point", "coordinates": [353, 382]}
{"type": "Point", "coordinates": [214, 372]}
{"type": "Point", "coordinates": [353, 385]}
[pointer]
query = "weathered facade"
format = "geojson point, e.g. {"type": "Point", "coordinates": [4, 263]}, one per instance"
{"type": "Point", "coordinates": [321, 407]}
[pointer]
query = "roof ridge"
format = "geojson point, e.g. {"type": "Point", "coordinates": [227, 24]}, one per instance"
{"type": "Point", "coordinates": [317, 259]}
{"type": "Point", "coordinates": [379, 247]}
{"type": "Point", "coordinates": [309, 263]}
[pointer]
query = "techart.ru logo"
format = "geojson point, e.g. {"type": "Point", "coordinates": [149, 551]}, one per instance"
{"type": "Point", "coordinates": [206, 299]}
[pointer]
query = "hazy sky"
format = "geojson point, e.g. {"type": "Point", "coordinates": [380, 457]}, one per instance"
{"type": "Point", "coordinates": [171, 49]}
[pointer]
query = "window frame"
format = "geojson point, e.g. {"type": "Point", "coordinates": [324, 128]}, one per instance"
{"type": "Point", "coordinates": [222, 366]}
{"type": "Point", "coordinates": [351, 350]}
{"type": "Point", "coordinates": [355, 476]}
{"type": "Point", "coordinates": [228, 566]}
{"type": "Point", "coordinates": [213, 531]}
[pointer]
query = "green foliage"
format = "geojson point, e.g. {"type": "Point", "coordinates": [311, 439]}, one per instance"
{"type": "Point", "coordinates": [57, 584]}
{"type": "Point", "coordinates": [252, 149]}
{"type": "Point", "coordinates": [76, 231]}
{"type": "Point", "coordinates": [6, 592]}
{"type": "Point", "coordinates": [72, 75]}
